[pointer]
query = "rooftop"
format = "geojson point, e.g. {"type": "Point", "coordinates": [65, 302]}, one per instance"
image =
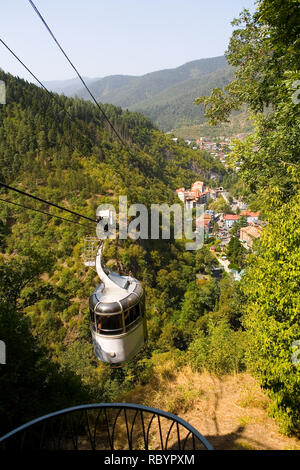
{"type": "Point", "coordinates": [231, 217]}
{"type": "Point", "coordinates": [250, 213]}
{"type": "Point", "coordinates": [251, 230]}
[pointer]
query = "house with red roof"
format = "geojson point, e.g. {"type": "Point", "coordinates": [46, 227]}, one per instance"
{"type": "Point", "coordinates": [181, 193]}
{"type": "Point", "coordinates": [230, 219]}
{"type": "Point", "coordinates": [249, 234]}
{"type": "Point", "coordinates": [196, 195]}
{"type": "Point", "coordinates": [252, 217]}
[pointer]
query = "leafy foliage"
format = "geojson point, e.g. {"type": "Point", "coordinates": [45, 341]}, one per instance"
{"type": "Point", "coordinates": [236, 253]}
{"type": "Point", "coordinates": [44, 287]}
{"type": "Point", "coordinates": [265, 51]}
{"type": "Point", "coordinates": [271, 287]}
{"type": "Point", "coordinates": [221, 351]}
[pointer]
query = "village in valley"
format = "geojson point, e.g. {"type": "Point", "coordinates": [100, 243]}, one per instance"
{"type": "Point", "coordinates": [230, 228]}
{"type": "Point", "coordinates": [219, 148]}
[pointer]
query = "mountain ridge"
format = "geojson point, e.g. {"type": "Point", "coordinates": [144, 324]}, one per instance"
{"type": "Point", "coordinates": [165, 96]}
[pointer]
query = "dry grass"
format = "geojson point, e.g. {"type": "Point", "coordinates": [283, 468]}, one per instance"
{"type": "Point", "coordinates": [230, 411]}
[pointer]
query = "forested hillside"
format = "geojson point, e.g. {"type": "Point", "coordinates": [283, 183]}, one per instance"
{"type": "Point", "coordinates": [166, 96]}
{"type": "Point", "coordinates": [73, 160]}
{"type": "Point", "coordinates": [174, 107]}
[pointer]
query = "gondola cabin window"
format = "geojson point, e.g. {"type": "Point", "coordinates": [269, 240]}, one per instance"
{"type": "Point", "coordinates": [131, 317]}
{"type": "Point", "coordinates": [113, 324]}
{"type": "Point", "coordinates": [109, 324]}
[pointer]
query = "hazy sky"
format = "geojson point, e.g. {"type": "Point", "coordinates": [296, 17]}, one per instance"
{"type": "Point", "coordinates": [105, 37]}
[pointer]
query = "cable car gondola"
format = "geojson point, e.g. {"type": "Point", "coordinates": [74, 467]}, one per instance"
{"type": "Point", "coordinates": [117, 312]}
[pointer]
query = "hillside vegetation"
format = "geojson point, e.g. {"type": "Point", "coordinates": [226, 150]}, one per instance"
{"type": "Point", "coordinates": [206, 328]}
{"type": "Point", "coordinates": [165, 96]}
{"type": "Point", "coordinates": [44, 287]}
{"type": "Point", "coordinates": [264, 49]}
{"type": "Point", "coordinates": [238, 123]}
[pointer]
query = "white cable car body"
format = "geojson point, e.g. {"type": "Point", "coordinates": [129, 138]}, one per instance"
{"type": "Point", "coordinates": [117, 311]}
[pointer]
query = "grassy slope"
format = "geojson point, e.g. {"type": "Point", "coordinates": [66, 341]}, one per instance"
{"type": "Point", "coordinates": [231, 411]}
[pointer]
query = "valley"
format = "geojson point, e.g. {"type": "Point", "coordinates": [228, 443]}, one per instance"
{"type": "Point", "coordinates": [217, 322]}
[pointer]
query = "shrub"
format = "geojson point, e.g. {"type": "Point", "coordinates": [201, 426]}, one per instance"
{"type": "Point", "coordinates": [221, 351]}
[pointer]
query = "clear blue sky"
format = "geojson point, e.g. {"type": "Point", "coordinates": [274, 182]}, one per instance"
{"type": "Point", "coordinates": [105, 37]}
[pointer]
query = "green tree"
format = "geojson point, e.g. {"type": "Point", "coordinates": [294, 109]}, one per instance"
{"type": "Point", "coordinates": [264, 49]}
{"type": "Point", "coordinates": [221, 350]}
{"type": "Point", "coordinates": [30, 385]}
{"type": "Point", "coordinates": [242, 222]}
{"type": "Point", "coordinates": [271, 313]}
{"type": "Point", "coordinates": [236, 254]}
{"type": "Point", "coordinates": [198, 300]}
{"type": "Point", "coordinates": [220, 205]}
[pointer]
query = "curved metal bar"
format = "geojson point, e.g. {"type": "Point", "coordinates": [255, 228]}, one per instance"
{"type": "Point", "coordinates": [185, 441]}
{"type": "Point", "coordinates": [74, 435]}
{"type": "Point", "coordinates": [178, 435]}
{"type": "Point", "coordinates": [110, 439]}
{"type": "Point", "coordinates": [149, 426]}
{"type": "Point", "coordinates": [120, 407]}
{"type": "Point", "coordinates": [114, 426]}
{"type": "Point", "coordinates": [92, 442]}
{"type": "Point", "coordinates": [96, 423]}
{"type": "Point", "coordinates": [160, 432]}
{"type": "Point", "coordinates": [127, 430]}
{"type": "Point", "coordinates": [100, 271]}
{"type": "Point", "coordinates": [168, 435]}
{"type": "Point", "coordinates": [143, 426]}
{"type": "Point", "coordinates": [132, 425]}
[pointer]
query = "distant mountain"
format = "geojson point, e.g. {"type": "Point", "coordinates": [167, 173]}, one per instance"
{"type": "Point", "coordinates": [174, 107]}
{"type": "Point", "coordinates": [166, 96]}
{"type": "Point", "coordinates": [67, 87]}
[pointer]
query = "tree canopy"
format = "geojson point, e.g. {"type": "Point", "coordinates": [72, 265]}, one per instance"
{"type": "Point", "coordinates": [264, 49]}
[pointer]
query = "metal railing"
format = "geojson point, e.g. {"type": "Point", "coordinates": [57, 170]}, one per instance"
{"type": "Point", "coordinates": [106, 426]}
